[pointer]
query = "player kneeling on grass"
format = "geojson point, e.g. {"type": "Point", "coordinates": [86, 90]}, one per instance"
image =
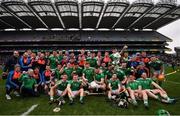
{"type": "Point", "coordinates": [99, 81]}
{"type": "Point", "coordinates": [114, 86]}
{"type": "Point", "coordinates": [135, 90]}
{"type": "Point", "coordinates": [12, 82]}
{"type": "Point", "coordinates": [29, 84]}
{"type": "Point", "coordinates": [148, 83]}
{"type": "Point", "coordinates": [74, 88]}
{"type": "Point", "coordinates": [60, 88]}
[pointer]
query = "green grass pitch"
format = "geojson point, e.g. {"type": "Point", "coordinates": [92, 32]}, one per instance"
{"type": "Point", "coordinates": [94, 105]}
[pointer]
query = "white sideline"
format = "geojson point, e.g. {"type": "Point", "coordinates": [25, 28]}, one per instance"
{"type": "Point", "coordinates": [173, 82]}
{"type": "Point", "coordinates": [29, 110]}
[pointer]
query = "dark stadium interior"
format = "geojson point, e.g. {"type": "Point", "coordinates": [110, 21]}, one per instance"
{"type": "Point", "coordinates": [137, 41]}
{"type": "Point", "coordinates": [24, 18]}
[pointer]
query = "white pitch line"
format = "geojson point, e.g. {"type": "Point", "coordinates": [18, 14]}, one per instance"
{"type": "Point", "coordinates": [173, 82]}
{"type": "Point", "coordinates": [29, 110]}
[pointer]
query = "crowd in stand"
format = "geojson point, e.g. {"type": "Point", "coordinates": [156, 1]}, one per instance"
{"type": "Point", "coordinates": [64, 73]}
{"type": "Point", "coordinates": [170, 59]}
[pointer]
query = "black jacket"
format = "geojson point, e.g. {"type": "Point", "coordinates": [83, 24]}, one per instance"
{"type": "Point", "coordinates": [10, 63]}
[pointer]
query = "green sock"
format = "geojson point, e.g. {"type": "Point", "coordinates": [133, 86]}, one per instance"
{"type": "Point", "coordinates": [81, 98]}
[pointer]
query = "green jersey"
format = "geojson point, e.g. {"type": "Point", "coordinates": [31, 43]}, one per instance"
{"type": "Point", "coordinates": [68, 72]}
{"type": "Point", "coordinates": [145, 83]}
{"type": "Point", "coordinates": [127, 71]}
{"type": "Point", "coordinates": [156, 65]}
{"type": "Point", "coordinates": [78, 71]}
{"type": "Point", "coordinates": [53, 62]}
{"type": "Point", "coordinates": [89, 74]}
{"type": "Point", "coordinates": [75, 85]}
{"type": "Point", "coordinates": [108, 74]}
{"type": "Point", "coordinates": [114, 84]}
{"type": "Point", "coordinates": [27, 82]}
{"type": "Point", "coordinates": [103, 69]}
{"type": "Point", "coordinates": [61, 85]}
{"type": "Point", "coordinates": [57, 74]}
{"type": "Point", "coordinates": [60, 58]}
{"type": "Point", "coordinates": [98, 77]}
{"type": "Point", "coordinates": [134, 85]}
{"type": "Point", "coordinates": [115, 56]}
{"type": "Point", "coordinates": [120, 74]}
{"type": "Point", "coordinates": [112, 57]}
{"type": "Point", "coordinates": [92, 61]}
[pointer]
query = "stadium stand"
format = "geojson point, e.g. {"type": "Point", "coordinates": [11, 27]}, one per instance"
{"type": "Point", "coordinates": [137, 41]}
{"type": "Point", "coordinates": [177, 49]}
{"type": "Point", "coordinates": [134, 24]}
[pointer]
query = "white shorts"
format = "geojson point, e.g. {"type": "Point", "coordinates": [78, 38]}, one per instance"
{"type": "Point", "coordinates": [93, 84]}
{"type": "Point", "coordinates": [115, 91]}
{"type": "Point", "coordinates": [48, 82]}
{"type": "Point", "coordinates": [75, 93]}
{"type": "Point", "coordinates": [59, 92]}
{"type": "Point", "coordinates": [157, 71]}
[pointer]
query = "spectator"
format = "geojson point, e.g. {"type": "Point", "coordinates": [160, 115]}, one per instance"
{"type": "Point", "coordinates": [11, 62]}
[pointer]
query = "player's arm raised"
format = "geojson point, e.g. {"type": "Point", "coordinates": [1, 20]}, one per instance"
{"type": "Point", "coordinates": [62, 69]}
{"type": "Point", "coordinates": [125, 47]}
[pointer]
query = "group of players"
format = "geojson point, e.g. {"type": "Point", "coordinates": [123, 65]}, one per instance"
{"type": "Point", "coordinates": [63, 73]}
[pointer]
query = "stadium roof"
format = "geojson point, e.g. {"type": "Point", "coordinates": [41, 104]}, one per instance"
{"type": "Point", "coordinates": [95, 14]}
